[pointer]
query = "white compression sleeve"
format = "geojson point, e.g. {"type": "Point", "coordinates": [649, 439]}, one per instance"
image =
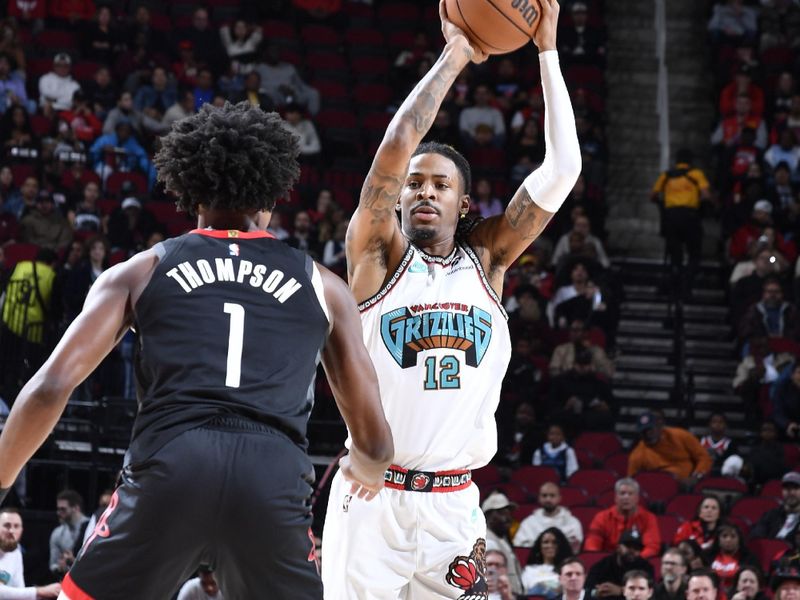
{"type": "Point", "coordinates": [551, 183]}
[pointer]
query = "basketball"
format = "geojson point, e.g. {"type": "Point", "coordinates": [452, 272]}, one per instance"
{"type": "Point", "coordinates": [496, 26]}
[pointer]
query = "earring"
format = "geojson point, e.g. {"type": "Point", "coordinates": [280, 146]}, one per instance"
{"type": "Point", "coordinates": [397, 207]}
{"type": "Point", "coordinates": [463, 214]}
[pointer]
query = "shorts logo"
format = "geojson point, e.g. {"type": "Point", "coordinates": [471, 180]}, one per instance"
{"type": "Point", "coordinates": [420, 482]}
{"type": "Point", "coordinates": [346, 502]}
{"type": "Point", "coordinates": [102, 529]}
{"type": "Point", "coordinates": [467, 573]}
{"type": "Point", "coordinates": [407, 331]}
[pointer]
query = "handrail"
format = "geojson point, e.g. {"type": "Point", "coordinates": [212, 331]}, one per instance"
{"type": "Point", "coordinates": [662, 95]}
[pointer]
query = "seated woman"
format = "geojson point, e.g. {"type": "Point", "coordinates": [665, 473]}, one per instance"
{"type": "Point", "coordinates": [748, 584]}
{"type": "Point", "coordinates": [539, 576]}
{"type": "Point", "coordinates": [728, 554]}
{"type": "Point", "coordinates": [702, 527]}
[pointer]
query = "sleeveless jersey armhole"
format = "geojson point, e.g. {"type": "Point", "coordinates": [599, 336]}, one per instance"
{"type": "Point", "coordinates": [319, 289]}
{"type": "Point", "coordinates": [487, 286]}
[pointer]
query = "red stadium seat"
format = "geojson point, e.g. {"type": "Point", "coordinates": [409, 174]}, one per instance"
{"type": "Point", "coordinates": [574, 496]}
{"type": "Point", "coordinates": [85, 70]}
{"type": "Point", "coordinates": [655, 562]}
{"type": "Point", "coordinates": [532, 477]}
{"type": "Point", "coordinates": [364, 36]}
{"type": "Point", "coordinates": [20, 172]}
{"type": "Point", "coordinates": [600, 444]}
{"type": "Point", "coordinates": [164, 212]}
{"type": "Point", "coordinates": [488, 161]}
{"type": "Point", "coordinates": [618, 463]}
{"type": "Point", "coordinates": [513, 491]}
{"type": "Point", "coordinates": [107, 205]}
{"type": "Point", "coordinates": [668, 525]}
{"type": "Point", "coordinates": [320, 35]}
{"type": "Point", "coordinates": [524, 510]}
{"type": "Point", "coordinates": [522, 555]}
{"type": "Point", "coordinates": [684, 505]}
{"type": "Point", "coordinates": [743, 524]}
{"type": "Point", "coordinates": [17, 252]}
{"type": "Point", "coordinates": [766, 549]}
{"type": "Point", "coordinates": [401, 40]}
{"type": "Point", "coordinates": [398, 14]}
{"type": "Point", "coordinates": [752, 508]}
{"type": "Point", "coordinates": [278, 29]}
{"type": "Point", "coordinates": [589, 559]}
{"type": "Point", "coordinates": [41, 125]}
{"type": "Point", "coordinates": [116, 179]}
{"type": "Point", "coordinates": [791, 453]}
{"type": "Point", "coordinates": [334, 93]}
{"type": "Point", "coordinates": [54, 40]}
{"type": "Point", "coordinates": [585, 458]}
{"type": "Point", "coordinates": [585, 76]}
{"type": "Point", "coordinates": [584, 514]}
{"type": "Point", "coordinates": [594, 481]}
{"type": "Point", "coordinates": [657, 485]}
{"type": "Point", "coordinates": [117, 257]}
{"type": "Point", "coordinates": [772, 489]}
{"type": "Point", "coordinates": [369, 68]}
{"type": "Point", "coordinates": [721, 483]}
{"type": "Point", "coordinates": [486, 477]}
{"type": "Point", "coordinates": [372, 95]}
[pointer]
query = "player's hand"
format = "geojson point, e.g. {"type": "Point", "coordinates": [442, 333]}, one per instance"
{"type": "Point", "coordinates": [48, 591]}
{"type": "Point", "coordinates": [452, 33]}
{"type": "Point", "coordinates": [366, 480]}
{"type": "Point", "coordinates": [545, 35]}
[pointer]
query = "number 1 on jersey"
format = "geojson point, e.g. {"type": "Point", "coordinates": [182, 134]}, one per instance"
{"type": "Point", "coordinates": [233, 374]}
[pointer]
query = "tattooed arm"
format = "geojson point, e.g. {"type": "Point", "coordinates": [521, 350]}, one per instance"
{"type": "Point", "coordinates": [500, 240]}
{"type": "Point", "coordinates": [374, 241]}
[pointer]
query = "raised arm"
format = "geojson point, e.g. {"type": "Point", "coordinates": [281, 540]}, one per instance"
{"type": "Point", "coordinates": [374, 241]}
{"type": "Point", "coordinates": [106, 317]}
{"type": "Point", "coordinates": [506, 236]}
{"type": "Point", "coordinates": [355, 387]}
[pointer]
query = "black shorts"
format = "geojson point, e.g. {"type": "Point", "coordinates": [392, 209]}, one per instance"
{"type": "Point", "coordinates": [234, 495]}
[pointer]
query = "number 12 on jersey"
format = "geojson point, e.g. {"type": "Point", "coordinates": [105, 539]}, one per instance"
{"type": "Point", "coordinates": [444, 376]}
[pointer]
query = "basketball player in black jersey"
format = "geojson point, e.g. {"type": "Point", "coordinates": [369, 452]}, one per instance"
{"type": "Point", "coordinates": [231, 324]}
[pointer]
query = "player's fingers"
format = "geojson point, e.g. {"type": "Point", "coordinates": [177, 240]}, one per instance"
{"type": "Point", "coordinates": [354, 487]}
{"type": "Point", "coordinates": [370, 496]}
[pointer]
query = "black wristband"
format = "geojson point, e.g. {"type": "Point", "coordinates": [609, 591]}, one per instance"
{"type": "Point", "coordinates": [3, 494]}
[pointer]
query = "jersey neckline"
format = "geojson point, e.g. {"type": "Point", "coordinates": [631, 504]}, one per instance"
{"type": "Point", "coordinates": [233, 234]}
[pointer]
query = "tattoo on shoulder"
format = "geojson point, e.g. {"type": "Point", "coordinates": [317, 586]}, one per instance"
{"type": "Point", "coordinates": [525, 216]}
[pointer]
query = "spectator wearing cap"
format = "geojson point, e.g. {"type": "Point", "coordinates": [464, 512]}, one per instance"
{"type": "Point", "coordinates": [626, 515]}
{"type": "Point", "coordinates": [45, 226]}
{"type": "Point", "coordinates": [786, 580]}
{"type": "Point", "coordinates": [742, 84]}
{"type": "Point", "coordinates": [786, 405]}
{"type": "Point", "coordinates": [605, 578]}
{"type": "Point", "coordinates": [130, 225]}
{"type": "Point", "coordinates": [770, 317]}
{"type": "Point", "coordinates": [580, 42]}
{"type": "Point", "coordinates": [670, 449]}
{"type": "Point", "coordinates": [782, 523]}
{"type": "Point", "coordinates": [497, 509]}
{"type": "Point", "coordinates": [752, 233]}
{"type": "Point", "coordinates": [57, 87]}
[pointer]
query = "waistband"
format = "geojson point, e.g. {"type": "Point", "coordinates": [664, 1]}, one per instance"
{"type": "Point", "coordinates": [240, 423]}
{"type": "Point", "coordinates": [398, 478]}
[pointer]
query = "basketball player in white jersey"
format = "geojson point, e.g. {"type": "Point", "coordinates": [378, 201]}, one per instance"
{"type": "Point", "coordinates": [429, 293]}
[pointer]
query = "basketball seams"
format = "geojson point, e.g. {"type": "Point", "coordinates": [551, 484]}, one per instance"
{"type": "Point", "coordinates": [509, 19]}
{"type": "Point", "coordinates": [472, 33]}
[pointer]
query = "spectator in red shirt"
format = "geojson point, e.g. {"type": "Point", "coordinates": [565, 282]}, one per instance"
{"type": "Point", "coordinates": [72, 10]}
{"type": "Point", "coordinates": [742, 84]}
{"type": "Point", "coordinates": [626, 514]}
{"type": "Point", "coordinates": [751, 232]}
{"type": "Point", "coordinates": [728, 553]}
{"type": "Point", "coordinates": [702, 528]}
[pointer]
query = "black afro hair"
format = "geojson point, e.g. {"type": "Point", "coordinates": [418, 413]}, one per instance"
{"type": "Point", "coordinates": [236, 157]}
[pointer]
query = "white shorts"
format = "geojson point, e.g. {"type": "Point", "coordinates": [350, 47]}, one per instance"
{"type": "Point", "coordinates": [403, 545]}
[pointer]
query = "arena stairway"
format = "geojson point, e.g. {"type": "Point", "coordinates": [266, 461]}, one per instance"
{"type": "Point", "coordinates": [646, 360]}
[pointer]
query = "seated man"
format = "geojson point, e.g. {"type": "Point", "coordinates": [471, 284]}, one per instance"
{"type": "Point", "coordinates": [608, 525]}
{"type": "Point", "coordinates": [605, 579]}
{"type": "Point", "coordinates": [12, 577]}
{"type": "Point", "coordinates": [670, 449]}
{"type": "Point", "coordinates": [549, 514]}
{"type": "Point", "coordinates": [784, 521]}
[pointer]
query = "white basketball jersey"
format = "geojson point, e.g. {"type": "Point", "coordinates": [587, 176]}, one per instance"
{"type": "Point", "coordinates": [438, 337]}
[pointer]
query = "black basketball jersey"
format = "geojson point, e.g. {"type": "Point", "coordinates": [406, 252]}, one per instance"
{"type": "Point", "coordinates": [231, 323]}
